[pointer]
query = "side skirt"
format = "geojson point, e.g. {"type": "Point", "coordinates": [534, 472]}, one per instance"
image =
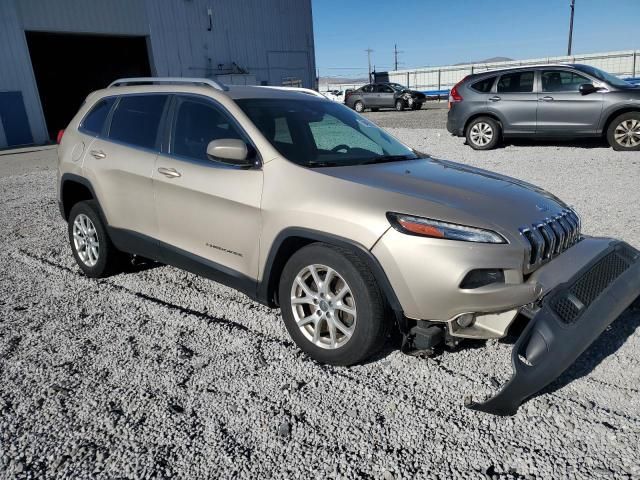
{"type": "Point", "coordinates": [138, 244]}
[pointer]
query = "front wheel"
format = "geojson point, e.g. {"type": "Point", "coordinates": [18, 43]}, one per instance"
{"type": "Point", "coordinates": [623, 133]}
{"type": "Point", "coordinates": [399, 105]}
{"type": "Point", "coordinates": [331, 305]}
{"type": "Point", "coordinates": [483, 133]}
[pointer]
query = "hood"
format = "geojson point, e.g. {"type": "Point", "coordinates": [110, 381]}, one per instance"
{"type": "Point", "coordinates": [458, 193]}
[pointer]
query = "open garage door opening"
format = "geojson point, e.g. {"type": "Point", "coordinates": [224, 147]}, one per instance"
{"type": "Point", "coordinates": [68, 67]}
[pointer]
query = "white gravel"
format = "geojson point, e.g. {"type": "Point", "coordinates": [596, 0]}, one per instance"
{"type": "Point", "coordinates": [159, 374]}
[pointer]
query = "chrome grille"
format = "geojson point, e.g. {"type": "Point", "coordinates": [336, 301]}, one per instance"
{"type": "Point", "coordinates": [550, 237]}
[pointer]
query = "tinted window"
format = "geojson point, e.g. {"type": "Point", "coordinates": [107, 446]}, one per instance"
{"type": "Point", "coordinates": [196, 124]}
{"type": "Point", "coordinates": [384, 89]}
{"type": "Point", "coordinates": [94, 121]}
{"type": "Point", "coordinates": [561, 81]}
{"type": "Point", "coordinates": [319, 133]}
{"type": "Point", "coordinates": [484, 86]}
{"type": "Point", "coordinates": [136, 120]}
{"type": "Point", "coordinates": [517, 82]}
{"type": "Point", "coordinates": [367, 88]}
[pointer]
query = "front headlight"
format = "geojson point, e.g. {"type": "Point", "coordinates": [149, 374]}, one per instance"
{"type": "Point", "coordinates": [427, 227]}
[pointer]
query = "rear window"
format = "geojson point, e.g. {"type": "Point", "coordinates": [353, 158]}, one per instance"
{"type": "Point", "coordinates": [484, 85]}
{"type": "Point", "coordinates": [94, 121]}
{"type": "Point", "coordinates": [517, 82]}
{"type": "Point", "coordinates": [136, 120]}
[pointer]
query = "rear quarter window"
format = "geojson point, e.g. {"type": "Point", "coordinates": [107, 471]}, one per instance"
{"type": "Point", "coordinates": [93, 122]}
{"type": "Point", "coordinates": [484, 85]}
{"type": "Point", "coordinates": [136, 119]}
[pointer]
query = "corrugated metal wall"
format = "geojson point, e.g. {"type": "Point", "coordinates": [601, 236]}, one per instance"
{"type": "Point", "coordinates": [15, 70]}
{"type": "Point", "coordinates": [271, 39]}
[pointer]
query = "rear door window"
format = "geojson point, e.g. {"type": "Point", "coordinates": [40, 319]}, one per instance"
{"type": "Point", "coordinates": [516, 82]}
{"type": "Point", "coordinates": [561, 81]}
{"type": "Point", "coordinates": [484, 85]}
{"type": "Point", "coordinates": [93, 122]}
{"type": "Point", "coordinates": [136, 120]}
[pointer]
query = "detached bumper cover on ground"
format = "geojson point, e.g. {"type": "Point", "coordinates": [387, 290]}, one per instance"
{"type": "Point", "coordinates": [572, 316]}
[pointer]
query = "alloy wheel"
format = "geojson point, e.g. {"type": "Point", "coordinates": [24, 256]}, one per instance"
{"type": "Point", "coordinates": [324, 307]}
{"type": "Point", "coordinates": [481, 134]}
{"type": "Point", "coordinates": [85, 240]}
{"type": "Point", "coordinates": [627, 133]}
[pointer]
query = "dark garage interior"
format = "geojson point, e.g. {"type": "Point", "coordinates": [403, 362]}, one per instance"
{"type": "Point", "coordinates": [68, 67]}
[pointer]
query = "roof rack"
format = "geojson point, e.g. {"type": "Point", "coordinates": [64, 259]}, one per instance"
{"type": "Point", "coordinates": [175, 80]}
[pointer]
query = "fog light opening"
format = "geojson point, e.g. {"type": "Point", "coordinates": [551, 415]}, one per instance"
{"type": "Point", "coordinates": [466, 320]}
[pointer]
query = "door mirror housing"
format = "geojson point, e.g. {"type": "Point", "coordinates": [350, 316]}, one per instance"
{"type": "Point", "coordinates": [587, 88]}
{"type": "Point", "coordinates": [230, 151]}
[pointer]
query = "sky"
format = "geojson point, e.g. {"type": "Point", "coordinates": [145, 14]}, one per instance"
{"type": "Point", "coordinates": [430, 32]}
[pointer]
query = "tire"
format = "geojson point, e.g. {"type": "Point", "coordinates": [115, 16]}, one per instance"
{"type": "Point", "coordinates": [483, 133]}
{"type": "Point", "coordinates": [399, 105]}
{"type": "Point", "coordinates": [358, 106]}
{"type": "Point", "coordinates": [362, 332]}
{"type": "Point", "coordinates": [623, 133]}
{"type": "Point", "coordinates": [86, 224]}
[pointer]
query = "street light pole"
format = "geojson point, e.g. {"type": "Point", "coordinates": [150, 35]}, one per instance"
{"type": "Point", "coordinates": [573, 7]}
{"type": "Point", "coordinates": [368, 50]}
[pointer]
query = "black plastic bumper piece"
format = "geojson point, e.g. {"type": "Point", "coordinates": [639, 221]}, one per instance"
{"type": "Point", "coordinates": [572, 316]}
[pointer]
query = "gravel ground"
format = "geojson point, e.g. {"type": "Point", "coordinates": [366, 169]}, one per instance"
{"type": "Point", "coordinates": [158, 373]}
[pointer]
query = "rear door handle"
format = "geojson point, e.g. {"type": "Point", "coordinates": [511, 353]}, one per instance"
{"type": "Point", "coordinates": [169, 172]}
{"type": "Point", "coordinates": [99, 154]}
{"type": "Point", "coordinates": [546, 99]}
{"type": "Point", "coordinates": [495, 99]}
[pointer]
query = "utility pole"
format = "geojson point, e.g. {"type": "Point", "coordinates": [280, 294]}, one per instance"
{"type": "Point", "coordinates": [573, 7]}
{"type": "Point", "coordinates": [368, 50]}
{"type": "Point", "coordinates": [395, 56]}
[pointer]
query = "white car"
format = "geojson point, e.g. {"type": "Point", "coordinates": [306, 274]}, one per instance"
{"type": "Point", "coordinates": [335, 95]}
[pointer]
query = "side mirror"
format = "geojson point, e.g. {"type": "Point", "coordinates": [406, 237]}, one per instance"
{"type": "Point", "coordinates": [230, 151]}
{"type": "Point", "coordinates": [587, 88]}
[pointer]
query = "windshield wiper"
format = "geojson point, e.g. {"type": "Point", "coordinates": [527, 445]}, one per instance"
{"type": "Point", "coordinates": [388, 158]}
{"type": "Point", "coordinates": [322, 164]}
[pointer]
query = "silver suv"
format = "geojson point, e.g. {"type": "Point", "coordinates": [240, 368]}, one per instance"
{"type": "Point", "coordinates": [546, 101]}
{"type": "Point", "coordinates": [302, 203]}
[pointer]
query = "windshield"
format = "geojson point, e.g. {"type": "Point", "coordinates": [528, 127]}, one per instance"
{"type": "Point", "coordinates": [397, 86]}
{"type": "Point", "coordinates": [604, 76]}
{"type": "Point", "coordinates": [317, 133]}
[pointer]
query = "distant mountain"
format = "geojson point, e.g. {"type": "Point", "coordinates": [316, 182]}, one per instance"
{"type": "Point", "coordinates": [325, 82]}
{"type": "Point", "coordinates": [488, 60]}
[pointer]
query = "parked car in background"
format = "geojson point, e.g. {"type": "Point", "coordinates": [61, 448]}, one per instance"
{"type": "Point", "coordinates": [385, 95]}
{"type": "Point", "coordinates": [545, 101]}
{"type": "Point", "coordinates": [335, 95]}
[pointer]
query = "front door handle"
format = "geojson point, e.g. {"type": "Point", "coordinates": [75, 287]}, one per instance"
{"type": "Point", "coordinates": [546, 99]}
{"type": "Point", "coordinates": [495, 98]}
{"type": "Point", "coordinates": [99, 154]}
{"type": "Point", "coordinates": [169, 172]}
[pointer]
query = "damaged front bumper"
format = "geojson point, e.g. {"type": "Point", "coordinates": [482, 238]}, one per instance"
{"type": "Point", "coordinates": [572, 316]}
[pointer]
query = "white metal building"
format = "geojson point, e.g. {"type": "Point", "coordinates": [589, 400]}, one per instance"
{"type": "Point", "coordinates": [54, 52]}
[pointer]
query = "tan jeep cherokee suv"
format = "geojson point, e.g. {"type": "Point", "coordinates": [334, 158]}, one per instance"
{"type": "Point", "coordinates": [301, 203]}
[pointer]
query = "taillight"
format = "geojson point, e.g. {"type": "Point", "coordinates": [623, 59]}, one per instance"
{"type": "Point", "coordinates": [454, 94]}
{"type": "Point", "coordinates": [59, 137]}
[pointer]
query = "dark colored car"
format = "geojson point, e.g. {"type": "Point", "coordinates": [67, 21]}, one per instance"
{"type": "Point", "coordinates": [545, 101]}
{"type": "Point", "coordinates": [385, 95]}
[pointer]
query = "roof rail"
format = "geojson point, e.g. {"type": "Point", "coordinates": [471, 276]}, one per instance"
{"type": "Point", "coordinates": [308, 91]}
{"type": "Point", "coordinates": [175, 80]}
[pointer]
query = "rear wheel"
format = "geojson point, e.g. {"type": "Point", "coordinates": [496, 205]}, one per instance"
{"type": "Point", "coordinates": [92, 248]}
{"type": "Point", "coordinates": [399, 105]}
{"type": "Point", "coordinates": [483, 133]}
{"type": "Point", "coordinates": [331, 305]}
{"type": "Point", "coordinates": [623, 133]}
{"type": "Point", "coordinates": [358, 106]}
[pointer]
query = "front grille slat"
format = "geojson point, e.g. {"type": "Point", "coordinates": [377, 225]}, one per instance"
{"type": "Point", "coordinates": [550, 238]}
